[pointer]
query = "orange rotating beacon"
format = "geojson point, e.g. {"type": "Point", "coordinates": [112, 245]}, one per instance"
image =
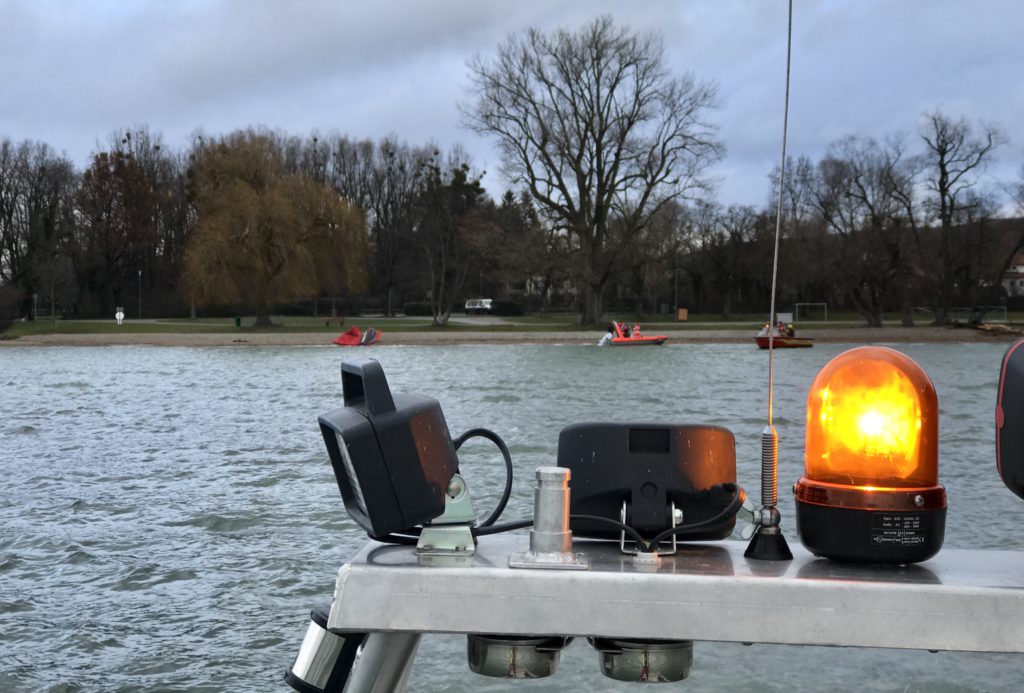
{"type": "Point", "coordinates": [870, 490]}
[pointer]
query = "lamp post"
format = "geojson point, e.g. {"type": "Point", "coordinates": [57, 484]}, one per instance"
{"type": "Point", "coordinates": [140, 294]}
{"type": "Point", "coordinates": [675, 288]}
{"type": "Point", "coordinates": [675, 285]}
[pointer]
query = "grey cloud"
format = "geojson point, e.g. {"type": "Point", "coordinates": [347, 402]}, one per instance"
{"type": "Point", "coordinates": [76, 70]}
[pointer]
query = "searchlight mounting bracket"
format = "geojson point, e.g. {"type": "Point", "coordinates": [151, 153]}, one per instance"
{"type": "Point", "coordinates": [451, 533]}
{"type": "Point", "coordinates": [674, 513]}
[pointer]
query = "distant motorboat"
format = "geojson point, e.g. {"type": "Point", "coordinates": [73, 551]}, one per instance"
{"type": "Point", "coordinates": [353, 336]}
{"type": "Point", "coordinates": [782, 337]}
{"type": "Point", "coordinates": [621, 334]}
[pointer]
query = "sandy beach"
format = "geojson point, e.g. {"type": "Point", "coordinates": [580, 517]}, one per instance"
{"type": "Point", "coordinates": [855, 335]}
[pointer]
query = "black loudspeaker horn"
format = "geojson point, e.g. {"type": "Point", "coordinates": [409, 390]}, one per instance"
{"type": "Point", "coordinates": [1010, 420]}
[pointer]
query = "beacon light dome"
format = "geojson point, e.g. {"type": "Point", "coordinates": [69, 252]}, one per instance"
{"type": "Point", "coordinates": [870, 490]}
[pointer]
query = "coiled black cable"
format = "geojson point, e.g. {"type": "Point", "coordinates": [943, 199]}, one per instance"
{"type": "Point", "coordinates": [496, 439]}
{"type": "Point", "coordinates": [633, 534]}
{"type": "Point", "coordinates": [498, 529]}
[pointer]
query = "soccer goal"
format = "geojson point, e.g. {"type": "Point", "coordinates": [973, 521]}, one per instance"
{"type": "Point", "coordinates": [810, 311]}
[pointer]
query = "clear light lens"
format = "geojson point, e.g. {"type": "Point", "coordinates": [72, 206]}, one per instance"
{"type": "Point", "coordinates": [350, 472]}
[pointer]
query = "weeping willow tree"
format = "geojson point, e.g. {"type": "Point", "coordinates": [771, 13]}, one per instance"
{"type": "Point", "coordinates": [266, 234]}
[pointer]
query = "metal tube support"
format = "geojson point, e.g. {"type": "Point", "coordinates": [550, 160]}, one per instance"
{"type": "Point", "coordinates": [550, 531]}
{"type": "Point", "coordinates": [550, 538]}
{"type": "Point", "coordinates": [383, 664]}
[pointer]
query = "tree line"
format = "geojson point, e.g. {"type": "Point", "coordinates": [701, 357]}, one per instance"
{"type": "Point", "coordinates": [612, 209]}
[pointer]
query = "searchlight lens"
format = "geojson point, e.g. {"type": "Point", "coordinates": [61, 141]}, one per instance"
{"type": "Point", "coordinates": [350, 474]}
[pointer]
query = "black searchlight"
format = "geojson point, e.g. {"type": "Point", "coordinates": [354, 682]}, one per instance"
{"type": "Point", "coordinates": [1010, 420]}
{"type": "Point", "coordinates": [392, 456]}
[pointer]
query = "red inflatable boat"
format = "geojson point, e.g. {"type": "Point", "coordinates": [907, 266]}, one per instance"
{"type": "Point", "coordinates": [354, 337]}
{"type": "Point", "coordinates": [785, 342]}
{"type": "Point", "coordinates": [783, 337]}
{"type": "Point", "coordinates": [621, 334]}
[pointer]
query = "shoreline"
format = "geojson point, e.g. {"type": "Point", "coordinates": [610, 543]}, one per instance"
{"type": "Point", "coordinates": [851, 335]}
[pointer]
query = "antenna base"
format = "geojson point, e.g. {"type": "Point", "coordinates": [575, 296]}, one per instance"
{"type": "Point", "coordinates": [768, 544]}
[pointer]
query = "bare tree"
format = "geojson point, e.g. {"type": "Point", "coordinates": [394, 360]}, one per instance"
{"type": "Point", "coordinates": [1018, 192]}
{"type": "Point", "coordinates": [881, 179]}
{"type": "Point", "coordinates": [391, 188]}
{"type": "Point", "coordinates": [955, 154]}
{"type": "Point", "coordinates": [797, 195]}
{"type": "Point", "coordinates": [696, 238]}
{"type": "Point", "coordinates": [530, 255]}
{"type": "Point", "coordinates": [593, 124]}
{"type": "Point", "coordinates": [382, 180]}
{"type": "Point", "coordinates": [983, 248]}
{"type": "Point", "coordinates": [172, 215]}
{"type": "Point", "coordinates": [727, 237]}
{"type": "Point", "coordinates": [116, 225]}
{"type": "Point", "coordinates": [450, 227]}
{"type": "Point", "coordinates": [36, 221]}
{"type": "Point", "coordinates": [647, 264]}
{"type": "Point", "coordinates": [864, 194]}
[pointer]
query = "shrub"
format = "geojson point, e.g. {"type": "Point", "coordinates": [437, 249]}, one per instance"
{"type": "Point", "coordinates": [347, 306]}
{"type": "Point", "coordinates": [417, 308]}
{"type": "Point", "coordinates": [423, 309]}
{"type": "Point", "coordinates": [9, 296]}
{"type": "Point", "coordinates": [506, 308]}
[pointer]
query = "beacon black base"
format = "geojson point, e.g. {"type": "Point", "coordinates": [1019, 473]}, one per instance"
{"type": "Point", "coordinates": [870, 535]}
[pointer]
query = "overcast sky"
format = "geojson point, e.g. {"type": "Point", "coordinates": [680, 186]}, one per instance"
{"type": "Point", "coordinates": [72, 72]}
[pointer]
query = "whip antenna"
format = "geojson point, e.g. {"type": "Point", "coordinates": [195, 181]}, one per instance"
{"type": "Point", "coordinates": [768, 542]}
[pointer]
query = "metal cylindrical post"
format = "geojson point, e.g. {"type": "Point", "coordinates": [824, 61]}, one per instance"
{"type": "Point", "coordinates": [550, 538]}
{"type": "Point", "coordinates": [551, 511]}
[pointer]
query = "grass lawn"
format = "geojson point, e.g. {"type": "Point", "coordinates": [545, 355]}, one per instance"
{"type": "Point", "coordinates": [281, 324]}
{"type": "Point", "coordinates": [547, 322]}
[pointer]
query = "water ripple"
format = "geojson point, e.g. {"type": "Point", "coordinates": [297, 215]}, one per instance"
{"type": "Point", "coordinates": [171, 519]}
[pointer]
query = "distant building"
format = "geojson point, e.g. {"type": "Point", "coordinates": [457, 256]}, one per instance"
{"type": "Point", "coordinates": [1013, 280]}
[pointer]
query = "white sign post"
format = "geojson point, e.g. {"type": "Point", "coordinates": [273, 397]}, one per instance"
{"type": "Point", "coordinates": [119, 315]}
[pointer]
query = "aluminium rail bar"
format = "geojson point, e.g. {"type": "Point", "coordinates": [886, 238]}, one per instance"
{"type": "Point", "coordinates": [967, 600]}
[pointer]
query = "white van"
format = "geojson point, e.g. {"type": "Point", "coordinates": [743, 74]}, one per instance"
{"type": "Point", "coordinates": [478, 306]}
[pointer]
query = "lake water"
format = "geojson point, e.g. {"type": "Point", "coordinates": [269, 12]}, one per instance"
{"type": "Point", "coordinates": [168, 516]}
